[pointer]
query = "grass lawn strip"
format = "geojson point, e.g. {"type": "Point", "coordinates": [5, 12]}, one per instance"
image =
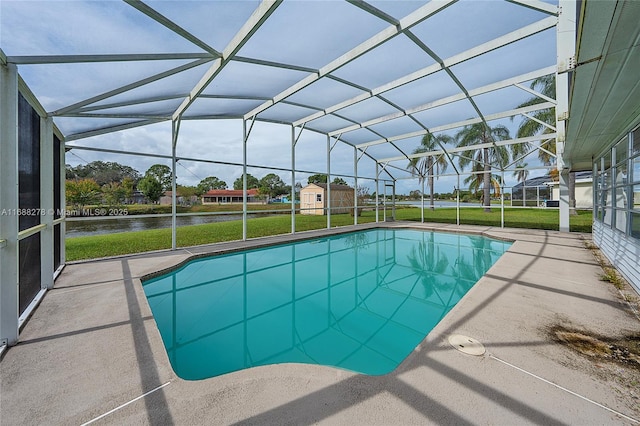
{"type": "Point", "coordinates": [91, 247]}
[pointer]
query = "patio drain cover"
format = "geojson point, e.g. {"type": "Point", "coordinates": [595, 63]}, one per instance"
{"type": "Point", "coordinates": [465, 344]}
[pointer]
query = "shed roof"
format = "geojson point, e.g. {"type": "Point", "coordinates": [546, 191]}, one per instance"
{"type": "Point", "coordinates": [334, 186]}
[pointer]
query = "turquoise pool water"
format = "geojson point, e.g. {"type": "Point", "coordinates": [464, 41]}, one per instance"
{"type": "Point", "coordinates": [359, 301]}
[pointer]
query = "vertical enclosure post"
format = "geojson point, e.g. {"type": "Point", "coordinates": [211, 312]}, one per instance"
{"type": "Point", "coordinates": [422, 202]}
{"type": "Point", "coordinates": [502, 201]}
{"type": "Point", "coordinates": [377, 192]}
{"type": "Point", "coordinates": [384, 201]}
{"type": "Point", "coordinates": [564, 199]}
{"type": "Point", "coordinates": [328, 197]}
{"type": "Point", "coordinates": [63, 202]}
{"type": "Point", "coordinates": [244, 179]}
{"type": "Point", "coordinates": [175, 127]}
{"type": "Point", "coordinates": [355, 186]}
{"type": "Point", "coordinates": [566, 50]}
{"type": "Point", "coordinates": [393, 201]}
{"type": "Point", "coordinates": [293, 180]}
{"type": "Point", "coordinates": [9, 201]}
{"type": "Point", "coordinates": [458, 202]}
{"type": "Point", "coordinates": [46, 202]}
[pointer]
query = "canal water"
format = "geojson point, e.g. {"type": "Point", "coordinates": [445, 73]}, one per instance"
{"type": "Point", "coordinates": [94, 226]}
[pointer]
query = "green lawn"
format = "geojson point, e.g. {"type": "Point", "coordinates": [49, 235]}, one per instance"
{"type": "Point", "coordinates": [135, 242]}
{"type": "Point", "coordinates": [513, 217]}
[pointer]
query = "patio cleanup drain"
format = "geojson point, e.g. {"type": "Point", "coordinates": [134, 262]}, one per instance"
{"type": "Point", "coordinates": [467, 345]}
{"type": "Point", "coordinates": [623, 350]}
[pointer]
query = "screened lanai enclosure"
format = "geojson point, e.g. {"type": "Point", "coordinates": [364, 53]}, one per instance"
{"type": "Point", "coordinates": [381, 94]}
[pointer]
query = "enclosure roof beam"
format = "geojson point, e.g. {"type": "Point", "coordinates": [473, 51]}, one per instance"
{"type": "Point", "coordinates": [547, 125]}
{"type": "Point", "coordinates": [451, 75]}
{"type": "Point", "coordinates": [501, 41]}
{"type": "Point", "coordinates": [181, 96]}
{"type": "Point", "coordinates": [474, 147]}
{"type": "Point", "coordinates": [132, 102]}
{"type": "Point", "coordinates": [388, 33]}
{"type": "Point", "coordinates": [111, 129]}
{"type": "Point", "coordinates": [522, 157]}
{"type": "Point", "coordinates": [71, 59]}
{"type": "Point", "coordinates": [220, 117]}
{"type": "Point", "coordinates": [161, 19]}
{"type": "Point", "coordinates": [374, 11]}
{"type": "Point", "coordinates": [385, 169]}
{"type": "Point", "coordinates": [453, 98]}
{"type": "Point", "coordinates": [130, 86]}
{"type": "Point", "coordinates": [458, 124]}
{"type": "Point", "coordinates": [540, 148]}
{"type": "Point", "coordinates": [537, 5]}
{"type": "Point", "coordinates": [259, 16]}
{"type": "Point", "coordinates": [535, 93]}
{"type": "Point", "coordinates": [273, 64]}
{"type": "Point", "coordinates": [122, 115]}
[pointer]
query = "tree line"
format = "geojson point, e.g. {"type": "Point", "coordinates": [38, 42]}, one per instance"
{"type": "Point", "coordinates": [112, 183]}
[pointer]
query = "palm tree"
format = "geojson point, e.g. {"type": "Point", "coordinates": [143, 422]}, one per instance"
{"type": "Point", "coordinates": [480, 133]}
{"type": "Point", "coordinates": [430, 264]}
{"type": "Point", "coordinates": [547, 86]}
{"type": "Point", "coordinates": [521, 174]}
{"type": "Point", "coordinates": [423, 166]}
{"type": "Point", "coordinates": [475, 181]}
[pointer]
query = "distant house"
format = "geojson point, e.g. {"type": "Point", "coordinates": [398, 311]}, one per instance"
{"type": "Point", "coordinates": [167, 199]}
{"type": "Point", "coordinates": [230, 196]}
{"type": "Point", "coordinates": [532, 192]}
{"type": "Point", "coordinates": [280, 199]}
{"type": "Point", "coordinates": [137, 198]}
{"type": "Point", "coordinates": [544, 191]}
{"type": "Point", "coordinates": [313, 199]}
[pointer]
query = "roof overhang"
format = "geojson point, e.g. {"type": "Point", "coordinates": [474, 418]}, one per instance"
{"type": "Point", "coordinates": [605, 90]}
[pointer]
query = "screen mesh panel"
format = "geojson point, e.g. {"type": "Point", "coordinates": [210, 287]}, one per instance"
{"type": "Point", "coordinates": [28, 164]}
{"type": "Point", "coordinates": [57, 258]}
{"type": "Point", "coordinates": [29, 270]}
{"type": "Point", "coordinates": [56, 178]}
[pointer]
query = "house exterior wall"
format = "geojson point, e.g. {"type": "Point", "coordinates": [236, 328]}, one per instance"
{"type": "Point", "coordinates": [216, 199]}
{"type": "Point", "coordinates": [230, 196]}
{"type": "Point", "coordinates": [623, 251]}
{"type": "Point", "coordinates": [616, 224]}
{"type": "Point", "coordinates": [584, 194]}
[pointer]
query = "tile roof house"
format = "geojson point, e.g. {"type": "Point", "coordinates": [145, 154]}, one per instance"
{"type": "Point", "coordinates": [230, 196]}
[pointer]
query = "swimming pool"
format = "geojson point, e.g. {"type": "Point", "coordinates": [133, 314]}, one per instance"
{"type": "Point", "coordinates": [358, 301]}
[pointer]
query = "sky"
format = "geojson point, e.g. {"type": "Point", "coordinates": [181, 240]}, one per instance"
{"type": "Point", "coordinates": [307, 34]}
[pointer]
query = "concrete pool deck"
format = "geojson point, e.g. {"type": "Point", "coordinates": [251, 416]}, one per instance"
{"type": "Point", "coordinates": [92, 351]}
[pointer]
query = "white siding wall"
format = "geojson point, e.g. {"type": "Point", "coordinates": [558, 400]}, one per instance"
{"type": "Point", "coordinates": [584, 195]}
{"type": "Point", "coordinates": [622, 251]}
